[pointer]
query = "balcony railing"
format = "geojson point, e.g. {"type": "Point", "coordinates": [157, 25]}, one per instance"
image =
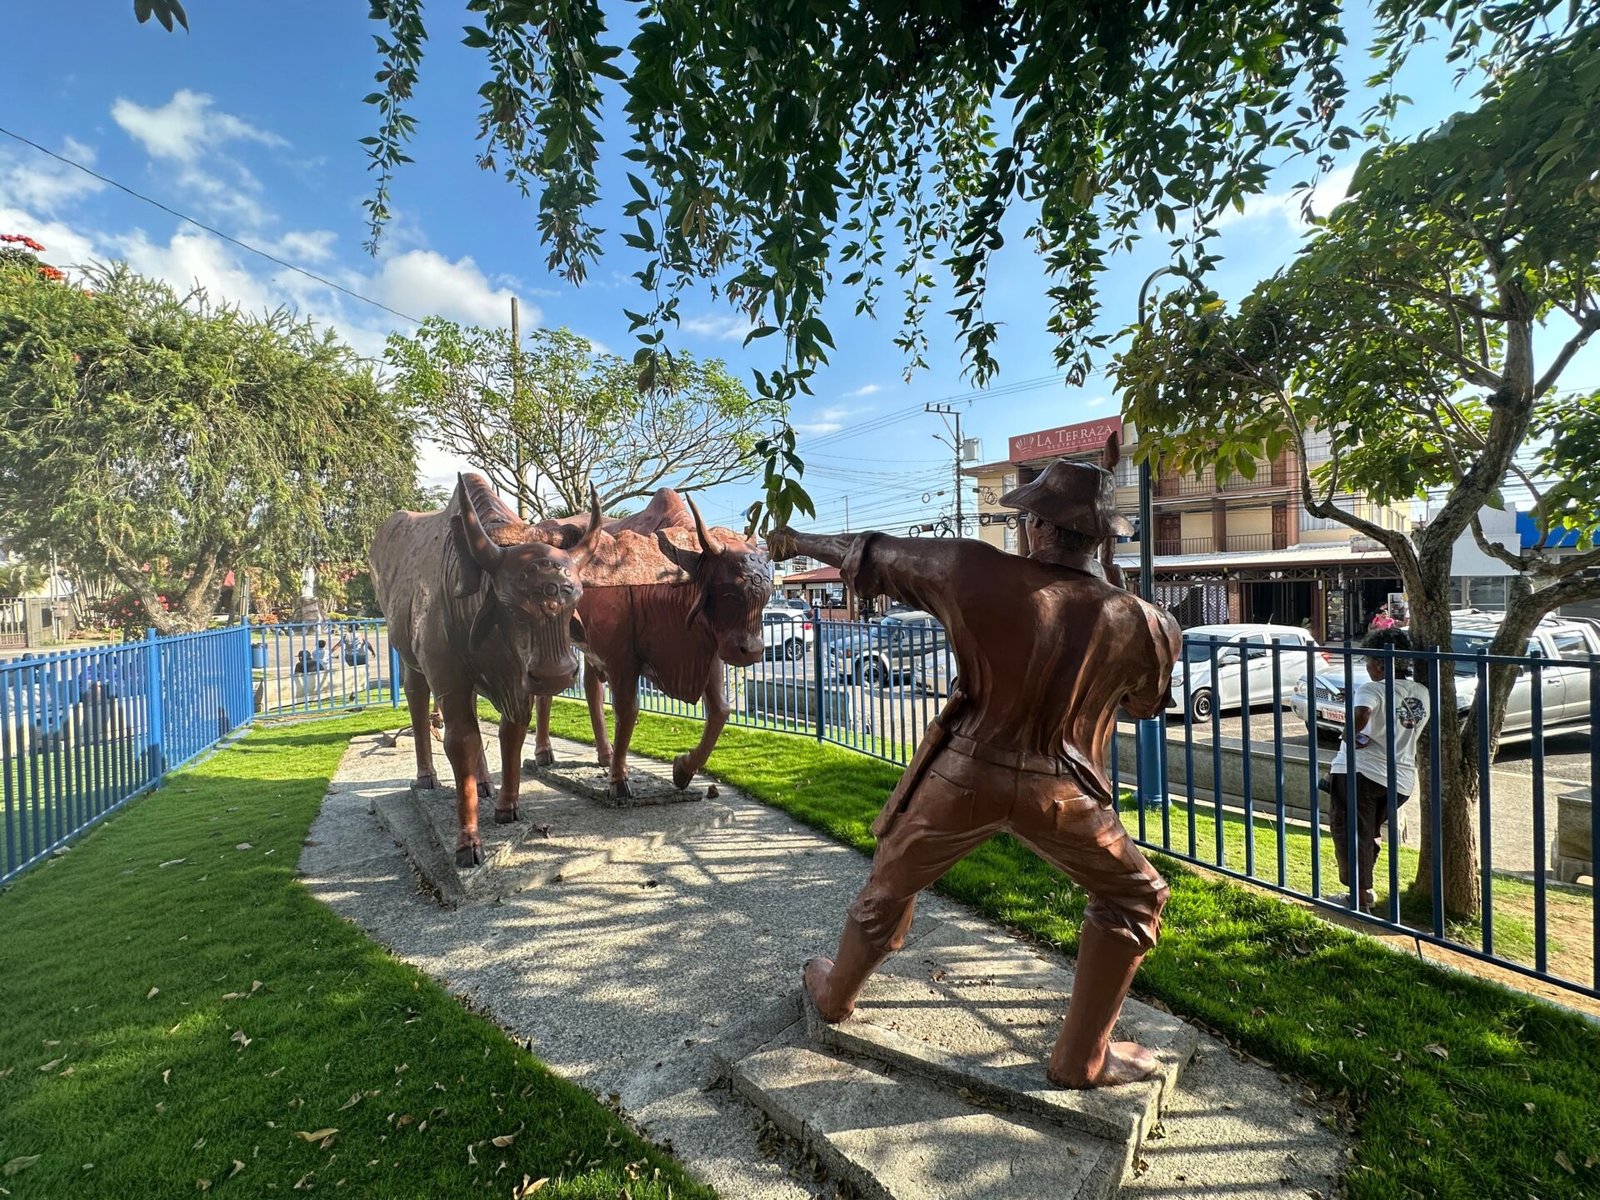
{"type": "Point", "coordinates": [1197, 545]}
{"type": "Point", "coordinates": [1206, 483]}
{"type": "Point", "coordinates": [1249, 541]}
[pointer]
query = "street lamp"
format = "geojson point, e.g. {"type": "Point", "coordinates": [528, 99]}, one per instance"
{"type": "Point", "coordinates": [1149, 734]}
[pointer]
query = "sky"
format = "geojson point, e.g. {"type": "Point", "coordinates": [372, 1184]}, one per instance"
{"type": "Point", "coordinates": [250, 123]}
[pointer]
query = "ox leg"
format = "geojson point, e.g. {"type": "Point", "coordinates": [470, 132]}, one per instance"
{"type": "Point", "coordinates": [419, 702]}
{"type": "Point", "coordinates": [543, 756]}
{"type": "Point", "coordinates": [685, 766]}
{"type": "Point", "coordinates": [625, 702]}
{"type": "Point", "coordinates": [512, 733]}
{"type": "Point", "coordinates": [463, 745]}
{"type": "Point", "coordinates": [594, 691]}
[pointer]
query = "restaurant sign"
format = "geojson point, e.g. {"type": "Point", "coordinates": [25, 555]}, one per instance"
{"type": "Point", "coordinates": [1089, 436]}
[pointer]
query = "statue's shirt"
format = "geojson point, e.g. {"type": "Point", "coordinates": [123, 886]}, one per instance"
{"type": "Point", "coordinates": [1046, 653]}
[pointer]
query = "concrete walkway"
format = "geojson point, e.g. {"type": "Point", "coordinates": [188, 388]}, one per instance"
{"type": "Point", "coordinates": [634, 978]}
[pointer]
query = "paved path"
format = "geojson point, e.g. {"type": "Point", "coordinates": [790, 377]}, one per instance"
{"type": "Point", "coordinates": [630, 979]}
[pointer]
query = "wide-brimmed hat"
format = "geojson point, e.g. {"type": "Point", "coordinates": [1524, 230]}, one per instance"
{"type": "Point", "coordinates": [1074, 495]}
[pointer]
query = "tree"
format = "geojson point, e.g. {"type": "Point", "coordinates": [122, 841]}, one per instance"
{"type": "Point", "coordinates": [781, 152]}
{"type": "Point", "coordinates": [544, 420]}
{"type": "Point", "coordinates": [165, 440]}
{"type": "Point", "coordinates": [1406, 331]}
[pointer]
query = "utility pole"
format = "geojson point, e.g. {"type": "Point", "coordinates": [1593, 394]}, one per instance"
{"type": "Point", "coordinates": [516, 380]}
{"type": "Point", "coordinates": [947, 412]}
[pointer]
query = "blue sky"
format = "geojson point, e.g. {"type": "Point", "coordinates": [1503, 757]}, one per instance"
{"type": "Point", "coordinates": [251, 123]}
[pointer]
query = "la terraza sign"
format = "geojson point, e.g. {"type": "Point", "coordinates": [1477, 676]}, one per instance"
{"type": "Point", "coordinates": [1089, 436]}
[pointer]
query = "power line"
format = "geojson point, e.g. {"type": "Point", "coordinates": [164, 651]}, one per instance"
{"type": "Point", "coordinates": [272, 258]}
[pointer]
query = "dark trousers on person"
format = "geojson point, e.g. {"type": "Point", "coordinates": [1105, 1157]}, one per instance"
{"type": "Point", "coordinates": [1371, 813]}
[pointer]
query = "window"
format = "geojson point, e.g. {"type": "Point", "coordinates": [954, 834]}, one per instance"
{"type": "Point", "coordinates": [1572, 647]}
{"type": "Point", "coordinates": [1487, 591]}
{"type": "Point", "coordinates": [1127, 473]}
{"type": "Point", "coordinates": [1010, 539]}
{"type": "Point", "coordinates": [1317, 445]}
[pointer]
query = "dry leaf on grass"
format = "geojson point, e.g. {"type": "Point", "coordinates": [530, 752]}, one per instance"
{"type": "Point", "coordinates": [317, 1136]}
{"type": "Point", "coordinates": [166, 1076]}
{"type": "Point", "coordinates": [244, 846]}
{"type": "Point", "coordinates": [20, 1164]}
{"type": "Point", "coordinates": [528, 1187]}
{"type": "Point", "coordinates": [53, 1064]}
{"type": "Point", "coordinates": [1435, 1049]}
{"type": "Point", "coordinates": [152, 993]}
{"type": "Point", "coordinates": [1564, 1162]}
{"type": "Point", "coordinates": [242, 1038]}
{"type": "Point", "coordinates": [237, 1167]}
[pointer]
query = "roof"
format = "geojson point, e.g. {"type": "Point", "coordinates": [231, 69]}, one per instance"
{"type": "Point", "coordinates": [820, 575]}
{"type": "Point", "coordinates": [1332, 554]}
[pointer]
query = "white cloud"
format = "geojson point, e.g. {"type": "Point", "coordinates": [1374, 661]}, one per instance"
{"type": "Point", "coordinates": [1286, 206]}
{"type": "Point", "coordinates": [829, 420]}
{"type": "Point", "coordinates": [303, 246]}
{"type": "Point", "coordinates": [726, 327]}
{"type": "Point", "coordinates": [1095, 403]}
{"type": "Point", "coordinates": [865, 389]}
{"type": "Point", "coordinates": [45, 184]}
{"type": "Point", "coordinates": [421, 282]}
{"type": "Point", "coordinates": [186, 127]}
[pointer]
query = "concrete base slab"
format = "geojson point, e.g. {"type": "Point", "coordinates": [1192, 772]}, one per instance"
{"type": "Point", "coordinates": [650, 786]}
{"type": "Point", "coordinates": [557, 836]}
{"type": "Point", "coordinates": [895, 1136]}
{"type": "Point", "coordinates": [980, 1014]}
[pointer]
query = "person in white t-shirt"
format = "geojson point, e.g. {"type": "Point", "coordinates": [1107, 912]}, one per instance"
{"type": "Point", "coordinates": [1367, 789]}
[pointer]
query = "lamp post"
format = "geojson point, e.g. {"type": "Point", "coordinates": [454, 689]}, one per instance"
{"type": "Point", "coordinates": [1149, 734]}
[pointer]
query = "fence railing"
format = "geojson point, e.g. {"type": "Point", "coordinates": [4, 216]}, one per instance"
{"type": "Point", "coordinates": [1237, 782]}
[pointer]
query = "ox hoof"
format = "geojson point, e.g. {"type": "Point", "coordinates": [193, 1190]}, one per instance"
{"type": "Point", "coordinates": [682, 771]}
{"type": "Point", "coordinates": [504, 816]}
{"type": "Point", "coordinates": [427, 783]}
{"type": "Point", "coordinates": [602, 759]}
{"type": "Point", "coordinates": [619, 790]}
{"type": "Point", "coordinates": [544, 758]}
{"type": "Point", "coordinates": [469, 856]}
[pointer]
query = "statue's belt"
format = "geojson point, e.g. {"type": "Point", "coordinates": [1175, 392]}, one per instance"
{"type": "Point", "coordinates": [1000, 756]}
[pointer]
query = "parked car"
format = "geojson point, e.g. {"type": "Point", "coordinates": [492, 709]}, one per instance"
{"type": "Point", "coordinates": [885, 650]}
{"type": "Point", "coordinates": [786, 633]}
{"type": "Point", "coordinates": [1241, 651]}
{"type": "Point", "coordinates": [792, 603]}
{"type": "Point", "coordinates": [1564, 643]}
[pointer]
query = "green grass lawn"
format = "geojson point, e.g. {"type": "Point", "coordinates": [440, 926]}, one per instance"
{"type": "Point", "coordinates": [1460, 1089]}
{"type": "Point", "coordinates": [179, 1017]}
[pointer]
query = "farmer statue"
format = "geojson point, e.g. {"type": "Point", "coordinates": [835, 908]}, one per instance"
{"type": "Point", "coordinates": [1047, 652]}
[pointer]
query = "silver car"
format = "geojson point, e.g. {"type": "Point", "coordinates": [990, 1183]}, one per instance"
{"type": "Point", "coordinates": [1564, 645]}
{"type": "Point", "coordinates": [1243, 658]}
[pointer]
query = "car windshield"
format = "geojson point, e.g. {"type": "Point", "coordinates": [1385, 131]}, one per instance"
{"type": "Point", "coordinates": [1199, 650]}
{"type": "Point", "coordinates": [1471, 643]}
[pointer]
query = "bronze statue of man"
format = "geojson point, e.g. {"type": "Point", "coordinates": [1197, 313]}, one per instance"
{"type": "Point", "coordinates": [1047, 651]}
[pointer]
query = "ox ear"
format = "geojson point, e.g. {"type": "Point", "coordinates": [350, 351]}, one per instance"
{"type": "Point", "coordinates": [584, 550]}
{"type": "Point", "coordinates": [1113, 452]}
{"type": "Point", "coordinates": [708, 544]}
{"type": "Point", "coordinates": [483, 624]}
{"type": "Point", "coordinates": [468, 576]}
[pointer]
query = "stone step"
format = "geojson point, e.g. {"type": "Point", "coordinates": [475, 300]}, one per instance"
{"type": "Point", "coordinates": [978, 1014]}
{"type": "Point", "coordinates": [894, 1136]}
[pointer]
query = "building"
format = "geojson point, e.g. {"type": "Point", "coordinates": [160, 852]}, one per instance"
{"type": "Point", "coordinates": [1226, 549]}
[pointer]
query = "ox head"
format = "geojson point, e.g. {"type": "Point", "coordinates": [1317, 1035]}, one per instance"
{"type": "Point", "coordinates": [532, 595]}
{"type": "Point", "coordinates": [734, 585]}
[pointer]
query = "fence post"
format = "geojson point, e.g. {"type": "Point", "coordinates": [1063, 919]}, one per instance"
{"type": "Point", "coordinates": [816, 672]}
{"type": "Point", "coordinates": [153, 706]}
{"type": "Point", "coordinates": [394, 676]}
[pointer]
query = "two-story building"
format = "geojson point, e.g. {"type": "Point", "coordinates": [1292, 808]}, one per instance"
{"type": "Point", "coordinates": [1226, 548]}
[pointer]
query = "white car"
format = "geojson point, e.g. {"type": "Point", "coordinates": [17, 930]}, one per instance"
{"type": "Point", "coordinates": [786, 633]}
{"type": "Point", "coordinates": [1243, 655]}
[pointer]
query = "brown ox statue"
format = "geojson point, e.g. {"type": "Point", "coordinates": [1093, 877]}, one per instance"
{"type": "Point", "coordinates": [675, 630]}
{"type": "Point", "coordinates": [469, 614]}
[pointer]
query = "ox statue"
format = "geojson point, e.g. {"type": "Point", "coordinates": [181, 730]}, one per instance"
{"type": "Point", "coordinates": [468, 614]}
{"type": "Point", "coordinates": [674, 628]}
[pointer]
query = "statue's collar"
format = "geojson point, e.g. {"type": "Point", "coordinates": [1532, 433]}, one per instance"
{"type": "Point", "coordinates": [1072, 561]}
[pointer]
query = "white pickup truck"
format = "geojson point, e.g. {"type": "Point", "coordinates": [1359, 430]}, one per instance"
{"type": "Point", "coordinates": [1564, 644]}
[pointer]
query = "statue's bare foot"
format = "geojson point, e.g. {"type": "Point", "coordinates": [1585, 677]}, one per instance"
{"type": "Point", "coordinates": [816, 975]}
{"type": "Point", "coordinates": [602, 758]}
{"type": "Point", "coordinates": [682, 771]}
{"type": "Point", "coordinates": [428, 782]}
{"type": "Point", "coordinates": [619, 790]}
{"type": "Point", "coordinates": [1125, 1062]}
{"type": "Point", "coordinates": [504, 816]}
{"type": "Point", "coordinates": [544, 757]}
{"type": "Point", "coordinates": [469, 853]}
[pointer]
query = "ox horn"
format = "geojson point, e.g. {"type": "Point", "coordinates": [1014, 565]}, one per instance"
{"type": "Point", "coordinates": [707, 543]}
{"type": "Point", "coordinates": [484, 552]}
{"type": "Point", "coordinates": [584, 550]}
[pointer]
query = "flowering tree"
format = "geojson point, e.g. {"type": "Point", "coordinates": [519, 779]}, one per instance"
{"type": "Point", "coordinates": [21, 250]}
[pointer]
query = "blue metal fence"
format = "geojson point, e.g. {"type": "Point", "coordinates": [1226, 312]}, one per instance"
{"type": "Point", "coordinates": [1237, 787]}
{"type": "Point", "coordinates": [84, 731]}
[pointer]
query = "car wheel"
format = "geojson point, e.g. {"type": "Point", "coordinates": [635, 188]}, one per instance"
{"type": "Point", "coordinates": [1200, 705]}
{"type": "Point", "coordinates": [794, 649]}
{"type": "Point", "coordinates": [873, 672]}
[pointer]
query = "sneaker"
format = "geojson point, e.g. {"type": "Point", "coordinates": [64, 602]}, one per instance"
{"type": "Point", "coordinates": [1342, 900]}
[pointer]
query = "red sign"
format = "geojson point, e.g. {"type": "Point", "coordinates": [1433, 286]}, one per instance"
{"type": "Point", "coordinates": [1068, 439]}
